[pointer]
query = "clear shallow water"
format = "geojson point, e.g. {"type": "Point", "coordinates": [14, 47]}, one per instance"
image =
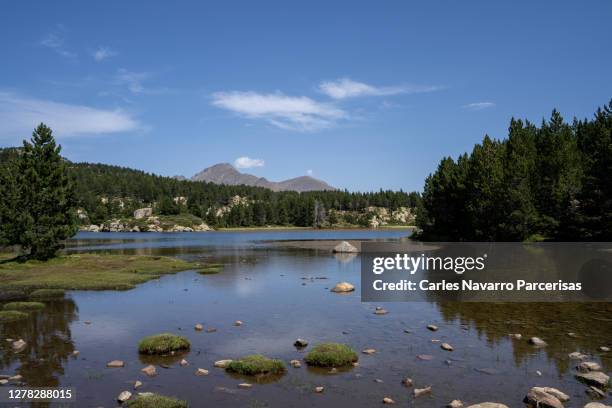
{"type": "Point", "coordinates": [270, 289]}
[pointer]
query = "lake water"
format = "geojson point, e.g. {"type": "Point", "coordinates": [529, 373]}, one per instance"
{"type": "Point", "coordinates": [274, 291]}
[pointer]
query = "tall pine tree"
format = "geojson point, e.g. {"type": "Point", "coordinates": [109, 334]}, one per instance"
{"type": "Point", "coordinates": [38, 204]}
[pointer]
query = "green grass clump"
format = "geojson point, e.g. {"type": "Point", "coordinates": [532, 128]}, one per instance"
{"type": "Point", "coordinates": [26, 306]}
{"type": "Point", "coordinates": [331, 355]}
{"type": "Point", "coordinates": [210, 269]}
{"type": "Point", "coordinates": [48, 294]}
{"type": "Point", "coordinates": [87, 272]}
{"type": "Point", "coordinates": [256, 364]}
{"type": "Point", "coordinates": [163, 343]}
{"type": "Point", "coordinates": [156, 401]}
{"type": "Point", "coordinates": [11, 316]}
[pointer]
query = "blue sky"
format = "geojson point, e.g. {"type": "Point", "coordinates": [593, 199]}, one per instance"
{"type": "Point", "coordinates": [362, 94]}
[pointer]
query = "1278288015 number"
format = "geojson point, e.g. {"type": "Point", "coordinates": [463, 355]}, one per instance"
{"type": "Point", "coordinates": [37, 394]}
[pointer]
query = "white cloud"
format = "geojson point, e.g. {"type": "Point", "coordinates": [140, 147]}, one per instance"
{"type": "Point", "coordinates": [309, 172]}
{"type": "Point", "coordinates": [55, 41]}
{"type": "Point", "coordinates": [245, 162]}
{"type": "Point", "coordinates": [347, 88]}
{"type": "Point", "coordinates": [19, 115]}
{"type": "Point", "coordinates": [286, 112]}
{"type": "Point", "coordinates": [103, 53]}
{"type": "Point", "coordinates": [479, 105]}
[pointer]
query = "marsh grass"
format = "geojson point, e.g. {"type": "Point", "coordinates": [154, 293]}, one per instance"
{"type": "Point", "coordinates": [48, 294]}
{"type": "Point", "coordinates": [256, 365]}
{"type": "Point", "coordinates": [87, 272]}
{"type": "Point", "coordinates": [24, 306]}
{"type": "Point", "coordinates": [11, 316]}
{"type": "Point", "coordinates": [331, 355]}
{"type": "Point", "coordinates": [163, 343]}
{"type": "Point", "coordinates": [155, 401]}
{"type": "Point", "coordinates": [210, 269]}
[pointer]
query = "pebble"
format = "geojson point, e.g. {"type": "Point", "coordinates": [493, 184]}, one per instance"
{"type": "Point", "coordinates": [516, 336]}
{"type": "Point", "coordinates": [380, 311]}
{"type": "Point", "coordinates": [388, 400]}
{"type": "Point", "coordinates": [137, 385]}
{"type": "Point", "coordinates": [238, 323]}
{"type": "Point", "coordinates": [407, 382]}
{"type": "Point", "coordinates": [604, 349]}
{"type": "Point", "coordinates": [201, 372]}
{"type": "Point", "coordinates": [536, 341]}
{"type": "Point", "coordinates": [432, 327]}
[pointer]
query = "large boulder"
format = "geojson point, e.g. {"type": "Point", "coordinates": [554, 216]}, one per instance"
{"type": "Point", "coordinates": [596, 378]}
{"type": "Point", "coordinates": [143, 212]}
{"type": "Point", "coordinates": [345, 247]}
{"type": "Point", "coordinates": [545, 397]}
{"type": "Point", "coordinates": [343, 287]}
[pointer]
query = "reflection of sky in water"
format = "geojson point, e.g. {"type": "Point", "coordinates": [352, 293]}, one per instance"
{"type": "Point", "coordinates": [264, 288]}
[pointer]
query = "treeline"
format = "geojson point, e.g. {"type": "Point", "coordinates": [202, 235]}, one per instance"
{"type": "Point", "coordinates": [107, 192]}
{"type": "Point", "coordinates": [548, 182]}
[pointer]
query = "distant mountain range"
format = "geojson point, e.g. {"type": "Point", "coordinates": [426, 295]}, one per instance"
{"type": "Point", "coordinates": [225, 173]}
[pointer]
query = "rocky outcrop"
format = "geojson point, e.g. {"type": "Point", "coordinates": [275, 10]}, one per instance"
{"type": "Point", "coordinates": [143, 212]}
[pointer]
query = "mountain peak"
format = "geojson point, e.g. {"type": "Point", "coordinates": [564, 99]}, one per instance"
{"type": "Point", "coordinates": [225, 173]}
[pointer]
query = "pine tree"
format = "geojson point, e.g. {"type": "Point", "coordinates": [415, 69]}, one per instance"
{"type": "Point", "coordinates": [44, 198]}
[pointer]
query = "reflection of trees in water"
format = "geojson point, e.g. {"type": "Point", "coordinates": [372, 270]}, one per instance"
{"type": "Point", "coordinates": [49, 343]}
{"type": "Point", "coordinates": [591, 322]}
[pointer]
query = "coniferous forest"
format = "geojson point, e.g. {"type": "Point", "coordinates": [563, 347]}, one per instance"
{"type": "Point", "coordinates": [552, 181]}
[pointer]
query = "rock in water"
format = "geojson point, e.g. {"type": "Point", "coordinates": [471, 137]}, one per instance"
{"type": "Point", "coordinates": [587, 366]}
{"type": "Point", "coordinates": [198, 327]}
{"type": "Point", "coordinates": [539, 397]}
{"type": "Point", "coordinates": [596, 405]}
{"type": "Point", "coordinates": [388, 400]}
{"type": "Point", "coordinates": [137, 385]}
{"type": "Point", "coordinates": [124, 396]}
{"type": "Point", "coordinates": [369, 351]}
{"type": "Point", "coordinates": [418, 392]}
{"type": "Point", "coordinates": [536, 341]}
{"type": "Point", "coordinates": [596, 378]}
{"type": "Point", "coordinates": [201, 372]}
{"type": "Point", "coordinates": [319, 390]}
{"type": "Point", "coordinates": [446, 346]}
{"type": "Point", "coordinates": [222, 363]}
{"type": "Point", "coordinates": [407, 382]}
{"type": "Point", "coordinates": [488, 405]}
{"type": "Point", "coordinates": [238, 323]}
{"type": "Point", "coordinates": [343, 287]}
{"type": "Point", "coordinates": [455, 404]}
{"type": "Point", "coordinates": [432, 327]}
{"type": "Point", "coordinates": [149, 370]}
{"type": "Point", "coordinates": [516, 336]}
{"type": "Point", "coordinates": [184, 363]}
{"type": "Point", "coordinates": [345, 247]}
{"type": "Point", "coordinates": [595, 392]}
{"type": "Point", "coordinates": [300, 343]}
{"type": "Point", "coordinates": [380, 311]}
{"type": "Point", "coordinates": [115, 364]}
{"type": "Point", "coordinates": [576, 355]}
{"type": "Point", "coordinates": [245, 385]}
{"type": "Point", "coordinates": [295, 363]}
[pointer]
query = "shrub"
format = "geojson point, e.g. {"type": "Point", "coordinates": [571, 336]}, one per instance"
{"type": "Point", "coordinates": [156, 401]}
{"type": "Point", "coordinates": [11, 316]}
{"type": "Point", "coordinates": [27, 306]}
{"type": "Point", "coordinates": [163, 343]}
{"type": "Point", "coordinates": [47, 294]}
{"type": "Point", "coordinates": [331, 355]}
{"type": "Point", "coordinates": [256, 364]}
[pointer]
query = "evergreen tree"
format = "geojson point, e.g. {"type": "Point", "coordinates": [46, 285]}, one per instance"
{"type": "Point", "coordinates": [39, 208]}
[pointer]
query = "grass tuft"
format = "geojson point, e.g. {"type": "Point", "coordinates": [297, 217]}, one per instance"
{"type": "Point", "coordinates": [331, 355]}
{"type": "Point", "coordinates": [24, 306]}
{"type": "Point", "coordinates": [256, 365]}
{"type": "Point", "coordinates": [155, 401]}
{"type": "Point", "coordinates": [11, 316]}
{"type": "Point", "coordinates": [48, 294]}
{"type": "Point", "coordinates": [163, 343]}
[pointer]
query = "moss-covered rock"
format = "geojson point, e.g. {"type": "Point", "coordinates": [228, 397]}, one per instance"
{"type": "Point", "coordinates": [155, 401]}
{"type": "Point", "coordinates": [331, 355]}
{"type": "Point", "coordinates": [163, 343]}
{"type": "Point", "coordinates": [48, 294]}
{"type": "Point", "coordinates": [256, 365]}
{"type": "Point", "coordinates": [11, 316]}
{"type": "Point", "coordinates": [24, 306]}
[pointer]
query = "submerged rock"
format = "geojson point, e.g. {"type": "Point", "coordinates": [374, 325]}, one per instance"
{"type": "Point", "coordinates": [380, 311]}
{"type": "Point", "coordinates": [425, 357]}
{"type": "Point", "coordinates": [432, 327]}
{"type": "Point", "coordinates": [576, 355]}
{"type": "Point", "coordinates": [115, 364]}
{"type": "Point", "coordinates": [345, 247]}
{"type": "Point", "coordinates": [388, 400]}
{"type": "Point", "coordinates": [516, 336]}
{"type": "Point", "coordinates": [369, 351]}
{"type": "Point", "coordinates": [201, 372]}
{"type": "Point", "coordinates": [343, 287]}
{"type": "Point", "coordinates": [587, 366]}
{"type": "Point", "coordinates": [407, 382]}
{"type": "Point", "coordinates": [245, 385]}
{"type": "Point", "coordinates": [488, 405]}
{"type": "Point", "coordinates": [455, 404]}
{"type": "Point", "coordinates": [137, 384]}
